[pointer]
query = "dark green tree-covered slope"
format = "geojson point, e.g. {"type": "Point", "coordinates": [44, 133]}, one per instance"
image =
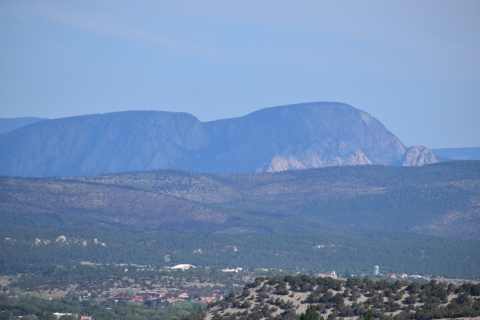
{"type": "Point", "coordinates": [28, 251]}
{"type": "Point", "coordinates": [438, 200]}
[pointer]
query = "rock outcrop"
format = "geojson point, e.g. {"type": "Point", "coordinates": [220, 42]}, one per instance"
{"type": "Point", "coordinates": [310, 135]}
{"type": "Point", "coordinates": [417, 156]}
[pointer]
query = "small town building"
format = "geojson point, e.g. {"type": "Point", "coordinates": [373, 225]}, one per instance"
{"type": "Point", "coordinates": [183, 266]}
{"type": "Point", "coordinates": [328, 275]}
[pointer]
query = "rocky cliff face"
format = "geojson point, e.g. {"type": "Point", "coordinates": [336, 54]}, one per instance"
{"type": "Point", "coordinates": [282, 138]}
{"type": "Point", "coordinates": [417, 156]}
{"type": "Point", "coordinates": [310, 135]}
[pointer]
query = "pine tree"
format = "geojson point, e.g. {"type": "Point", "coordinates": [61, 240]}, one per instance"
{"type": "Point", "coordinates": [311, 314]}
{"type": "Point", "coordinates": [368, 315]}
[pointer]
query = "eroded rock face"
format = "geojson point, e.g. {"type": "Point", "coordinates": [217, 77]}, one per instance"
{"type": "Point", "coordinates": [310, 135]}
{"type": "Point", "coordinates": [312, 158]}
{"type": "Point", "coordinates": [414, 156]}
{"type": "Point", "coordinates": [284, 163]}
{"type": "Point", "coordinates": [418, 156]}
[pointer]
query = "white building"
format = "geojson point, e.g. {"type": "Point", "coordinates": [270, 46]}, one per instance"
{"type": "Point", "coordinates": [328, 275]}
{"type": "Point", "coordinates": [183, 266]}
{"type": "Point", "coordinates": [376, 270]}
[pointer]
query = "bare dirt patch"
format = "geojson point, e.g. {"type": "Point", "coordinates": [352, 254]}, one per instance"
{"type": "Point", "coordinates": [5, 280]}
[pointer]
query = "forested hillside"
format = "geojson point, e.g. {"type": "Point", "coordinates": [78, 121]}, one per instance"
{"type": "Point", "coordinates": [413, 220]}
{"type": "Point", "coordinates": [278, 297]}
{"type": "Point", "coordinates": [307, 297]}
{"type": "Point", "coordinates": [30, 251]}
{"type": "Point", "coordinates": [438, 200]}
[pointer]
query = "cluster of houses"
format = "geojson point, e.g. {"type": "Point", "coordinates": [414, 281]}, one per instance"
{"type": "Point", "coordinates": [161, 297]}
{"type": "Point", "coordinates": [332, 275]}
{"type": "Point", "coordinates": [376, 272]}
{"type": "Point", "coordinates": [404, 276]}
{"type": "Point", "coordinates": [147, 297]}
{"type": "Point", "coordinates": [188, 266]}
{"type": "Point", "coordinates": [78, 317]}
{"type": "Point", "coordinates": [231, 270]}
{"type": "Point", "coordinates": [214, 297]}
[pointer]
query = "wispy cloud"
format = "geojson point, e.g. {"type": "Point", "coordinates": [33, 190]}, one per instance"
{"type": "Point", "coordinates": [109, 26]}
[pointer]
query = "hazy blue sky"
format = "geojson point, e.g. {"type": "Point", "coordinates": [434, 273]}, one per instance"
{"type": "Point", "coordinates": [414, 65]}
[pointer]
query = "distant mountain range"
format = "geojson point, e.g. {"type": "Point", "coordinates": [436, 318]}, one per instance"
{"type": "Point", "coordinates": [300, 136]}
{"type": "Point", "coordinates": [449, 154]}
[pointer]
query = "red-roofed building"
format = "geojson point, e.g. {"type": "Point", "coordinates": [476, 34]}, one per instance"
{"type": "Point", "coordinates": [172, 299]}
